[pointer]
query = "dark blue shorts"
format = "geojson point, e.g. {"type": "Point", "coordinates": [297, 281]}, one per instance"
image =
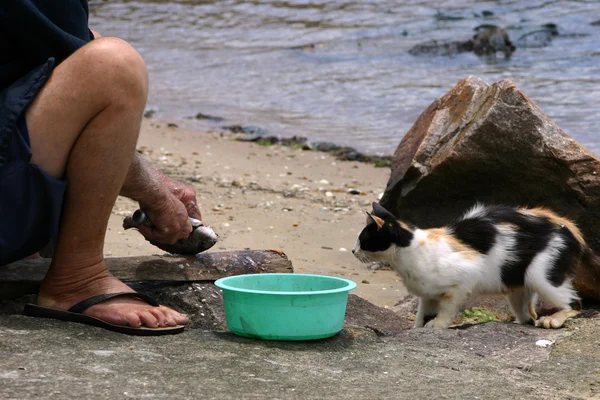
{"type": "Point", "coordinates": [30, 201]}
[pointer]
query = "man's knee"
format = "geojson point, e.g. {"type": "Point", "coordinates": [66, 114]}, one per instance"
{"type": "Point", "coordinates": [117, 66]}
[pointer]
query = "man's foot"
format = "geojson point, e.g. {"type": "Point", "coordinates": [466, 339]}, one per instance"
{"type": "Point", "coordinates": [62, 292]}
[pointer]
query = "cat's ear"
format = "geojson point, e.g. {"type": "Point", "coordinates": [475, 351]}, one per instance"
{"type": "Point", "coordinates": [381, 212]}
{"type": "Point", "coordinates": [374, 218]}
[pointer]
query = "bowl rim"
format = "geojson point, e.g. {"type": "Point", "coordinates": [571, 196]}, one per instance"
{"type": "Point", "coordinates": [222, 283]}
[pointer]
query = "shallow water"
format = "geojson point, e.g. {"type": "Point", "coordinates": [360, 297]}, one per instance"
{"type": "Point", "coordinates": [244, 61]}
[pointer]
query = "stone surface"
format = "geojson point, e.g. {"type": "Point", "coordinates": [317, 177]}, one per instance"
{"type": "Point", "coordinates": [492, 144]}
{"type": "Point", "coordinates": [203, 303]}
{"type": "Point", "coordinates": [52, 359]}
{"type": "Point", "coordinates": [406, 309]}
{"type": "Point", "coordinates": [375, 356]}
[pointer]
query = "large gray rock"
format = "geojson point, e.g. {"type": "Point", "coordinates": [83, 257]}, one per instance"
{"type": "Point", "coordinates": [492, 144]}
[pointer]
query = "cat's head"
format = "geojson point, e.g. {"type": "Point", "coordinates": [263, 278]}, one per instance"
{"type": "Point", "coordinates": [381, 237]}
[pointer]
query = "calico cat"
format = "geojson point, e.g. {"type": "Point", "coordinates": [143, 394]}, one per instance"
{"type": "Point", "coordinates": [490, 250]}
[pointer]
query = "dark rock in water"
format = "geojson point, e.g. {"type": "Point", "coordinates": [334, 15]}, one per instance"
{"type": "Point", "coordinates": [491, 39]}
{"type": "Point", "coordinates": [541, 38]}
{"type": "Point", "coordinates": [488, 40]}
{"type": "Point", "coordinates": [209, 117]}
{"type": "Point", "coordinates": [448, 16]}
{"type": "Point", "coordinates": [538, 38]}
{"type": "Point", "coordinates": [248, 130]}
{"type": "Point", "coordinates": [295, 141]}
{"type": "Point", "coordinates": [438, 48]}
{"type": "Point", "coordinates": [551, 27]}
{"type": "Point", "coordinates": [492, 144]}
{"type": "Point", "coordinates": [326, 147]}
{"type": "Point", "coordinates": [341, 152]}
{"type": "Point", "coordinates": [344, 153]}
{"type": "Point", "coordinates": [596, 23]}
{"type": "Point", "coordinates": [150, 113]}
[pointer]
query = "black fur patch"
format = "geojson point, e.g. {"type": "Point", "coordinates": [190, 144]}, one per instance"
{"type": "Point", "coordinates": [532, 237]}
{"type": "Point", "coordinates": [372, 238]}
{"type": "Point", "coordinates": [564, 265]}
{"type": "Point", "coordinates": [403, 236]}
{"type": "Point", "coordinates": [477, 233]}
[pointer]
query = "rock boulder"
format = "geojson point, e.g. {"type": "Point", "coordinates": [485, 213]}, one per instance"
{"type": "Point", "coordinates": [492, 144]}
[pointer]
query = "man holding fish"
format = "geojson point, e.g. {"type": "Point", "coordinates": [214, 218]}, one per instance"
{"type": "Point", "coordinates": [71, 104]}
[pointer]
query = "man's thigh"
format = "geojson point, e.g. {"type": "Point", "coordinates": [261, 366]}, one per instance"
{"type": "Point", "coordinates": [79, 89]}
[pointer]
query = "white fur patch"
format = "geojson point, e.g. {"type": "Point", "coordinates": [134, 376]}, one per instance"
{"type": "Point", "coordinates": [477, 211]}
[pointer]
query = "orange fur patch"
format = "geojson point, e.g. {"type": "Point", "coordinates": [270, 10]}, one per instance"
{"type": "Point", "coordinates": [439, 234]}
{"type": "Point", "coordinates": [462, 248]}
{"type": "Point", "coordinates": [557, 220]}
{"type": "Point", "coordinates": [436, 234]}
{"type": "Point", "coordinates": [446, 296]}
{"type": "Point", "coordinates": [378, 221]}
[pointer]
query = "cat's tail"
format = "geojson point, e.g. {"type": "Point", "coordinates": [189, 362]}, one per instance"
{"type": "Point", "coordinates": [587, 277]}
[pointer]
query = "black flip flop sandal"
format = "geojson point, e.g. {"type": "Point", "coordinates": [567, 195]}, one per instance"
{"type": "Point", "coordinates": [74, 314]}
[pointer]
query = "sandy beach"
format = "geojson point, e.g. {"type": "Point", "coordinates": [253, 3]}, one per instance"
{"type": "Point", "coordinates": [267, 197]}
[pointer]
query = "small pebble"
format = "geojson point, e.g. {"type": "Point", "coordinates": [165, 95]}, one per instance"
{"type": "Point", "coordinates": [343, 249]}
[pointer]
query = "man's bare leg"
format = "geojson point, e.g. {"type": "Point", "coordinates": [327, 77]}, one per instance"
{"type": "Point", "coordinates": [84, 125]}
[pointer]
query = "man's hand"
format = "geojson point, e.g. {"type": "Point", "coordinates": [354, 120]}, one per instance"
{"type": "Point", "coordinates": [169, 221]}
{"type": "Point", "coordinates": [185, 194]}
{"type": "Point", "coordinates": [167, 203]}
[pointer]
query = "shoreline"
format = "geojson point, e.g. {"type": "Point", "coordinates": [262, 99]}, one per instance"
{"type": "Point", "coordinates": [260, 136]}
{"type": "Point", "coordinates": [308, 204]}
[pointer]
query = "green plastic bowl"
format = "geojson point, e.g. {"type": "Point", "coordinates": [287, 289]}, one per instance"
{"type": "Point", "coordinates": [285, 306]}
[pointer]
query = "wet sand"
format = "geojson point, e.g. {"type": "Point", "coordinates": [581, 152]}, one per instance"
{"type": "Point", "coordinates": [274, 197]}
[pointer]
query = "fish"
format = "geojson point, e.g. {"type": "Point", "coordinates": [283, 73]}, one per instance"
{"type": "Point", "coordinates": [201, 238]}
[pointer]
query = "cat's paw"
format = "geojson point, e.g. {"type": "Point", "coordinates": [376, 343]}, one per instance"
{"type": "Point", "coordinates": [436, 324]}
{"type": "Point", "coordinates": [556, 320]}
